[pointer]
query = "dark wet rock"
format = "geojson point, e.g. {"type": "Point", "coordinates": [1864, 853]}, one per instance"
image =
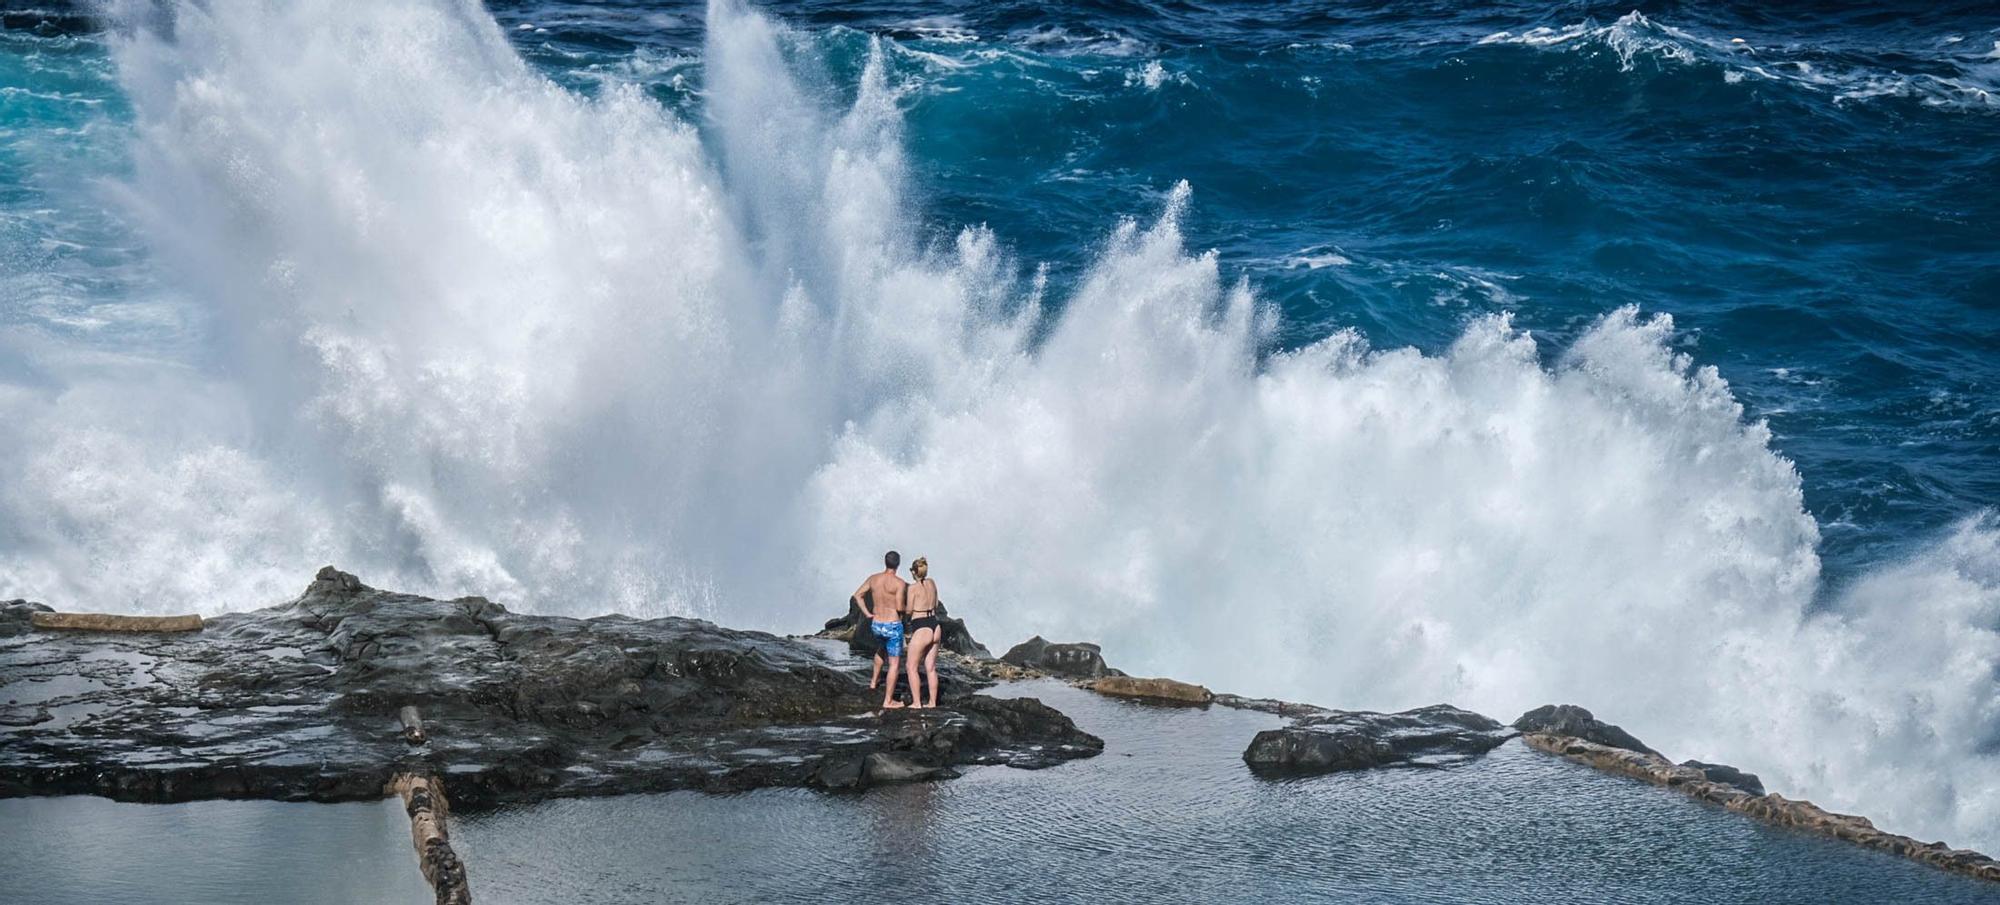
{"type": "Point", "coordinates": [301, 702]}
{"type": "Point", "coordinates": [15, 616]}
{"type": "Point", "coordinates": [1079, 660]}
{"type": "Point", "coordinates": [853, 629]}
{"type": "Point", "coordinates": [1432, 736]}
{"type": "Point", "coordinates": [1576, 722]}
{"type": "Point", "coordinates": [1724, 774]}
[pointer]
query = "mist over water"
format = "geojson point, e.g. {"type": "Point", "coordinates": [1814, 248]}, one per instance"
{"type": "Point", "coordinates": [425, 313]}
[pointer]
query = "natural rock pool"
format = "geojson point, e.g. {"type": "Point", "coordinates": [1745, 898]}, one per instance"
{"type": "Point", "coordinates": [1168, 813]}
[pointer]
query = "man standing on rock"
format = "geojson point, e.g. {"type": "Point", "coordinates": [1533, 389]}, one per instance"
{"type": "Point", "coordinates": [880, 598]}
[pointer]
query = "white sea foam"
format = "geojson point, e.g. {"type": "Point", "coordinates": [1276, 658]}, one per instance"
{"type": "Point", "coordinates": [943, 29]}
{"type": "Point", "coordinates": [1314, 260]}
{"type": "Point", "coordinates": [475, 334]}
{"type": "Point", "coordinates": [1634, 38]}
{"type": "Point", "coordinates": [1152, 75]}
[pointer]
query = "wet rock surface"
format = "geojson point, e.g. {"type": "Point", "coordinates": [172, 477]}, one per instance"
{"type": "Point", "coordinates": [1159, 691]}
{"type": "Point", "coordinates": [1079, 660]}
{"type": "Point", "coordinates": [301, 702]}
{"type": "Point", "coordinates": [1434, 736]}
{"type": "Point", "coordinates": [1724, 774]}
{"type": "Point", "coordinates": [1576, 722]}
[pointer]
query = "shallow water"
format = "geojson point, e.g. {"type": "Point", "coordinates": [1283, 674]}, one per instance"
{"type": "Point", "coordinates": [1169, 813]}
{"type": "Point", "coordinates": [79, 850]}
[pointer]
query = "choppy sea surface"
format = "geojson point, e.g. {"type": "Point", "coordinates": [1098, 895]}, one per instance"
{"type": "Point", "coordinates": [1168, 813]}
{"type": "Point", "coordinates": [1642, 355]}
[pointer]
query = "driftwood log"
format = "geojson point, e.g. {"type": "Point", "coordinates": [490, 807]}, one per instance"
{"type": "Point", "coordinates": [423, 799]}
{"type": "Point", "coordinates": [106, 622]}
{"type": "Point", "coordinates": [413, 724]}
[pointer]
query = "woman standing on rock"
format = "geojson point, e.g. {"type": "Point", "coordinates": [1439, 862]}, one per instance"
{"type": "Point", "coordinates": [924, 630]}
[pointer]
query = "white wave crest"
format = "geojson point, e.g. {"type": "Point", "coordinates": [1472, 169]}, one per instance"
{"type": "Point", "coordinates": [1633, 38]}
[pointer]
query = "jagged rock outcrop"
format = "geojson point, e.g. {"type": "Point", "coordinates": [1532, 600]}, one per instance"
{"type": "Point", "coordinates": [17, 617]}
{"type": "Point", "coordinates": [1432, 736]}
{"type": "Point", "coordinates": [1078, 660]}
{"type": "Point", "coordinates": [1576, 722]}
{"type": "Point", "coordinates": [301, 702]}
{"type": "Point", "coordinates": [1727, 775]}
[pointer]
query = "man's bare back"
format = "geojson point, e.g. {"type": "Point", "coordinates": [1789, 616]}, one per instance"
{"type": "Point", "coordinates": [882, 596]}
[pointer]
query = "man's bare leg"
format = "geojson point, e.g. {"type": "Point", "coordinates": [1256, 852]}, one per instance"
{"type": "Point", "coordinates": [875, 678]}
{"type": "Point", "coordinates": [889, 701]}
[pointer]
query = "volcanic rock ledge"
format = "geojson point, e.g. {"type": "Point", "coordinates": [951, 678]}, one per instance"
{"type": "Point", "coordinates": [1074, 661]}
{"type": "Point", "coordinates": [1331, 741]}
{"type": "Point", "coordinates": [301, 702]}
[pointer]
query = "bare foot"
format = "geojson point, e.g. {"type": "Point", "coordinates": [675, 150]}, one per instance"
{"type": "Point", "coordinates": [893, 705]}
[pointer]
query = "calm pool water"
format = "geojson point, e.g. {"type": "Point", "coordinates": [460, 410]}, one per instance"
{"type": "Point", "coordinates": [91, 851]}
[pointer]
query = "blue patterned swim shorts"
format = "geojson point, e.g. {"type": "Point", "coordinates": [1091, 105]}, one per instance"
{"type": "Point", "coordinates": [891, 634]}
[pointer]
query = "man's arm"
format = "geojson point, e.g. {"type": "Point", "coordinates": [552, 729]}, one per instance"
{"type": "Point", "coordinates": [860, 601]}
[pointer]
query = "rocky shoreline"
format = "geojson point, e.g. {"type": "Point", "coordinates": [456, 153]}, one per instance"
{"type": "Point", "coordinates": [347, 691]}
{"type": "Point", "coordinates": [301, 702]}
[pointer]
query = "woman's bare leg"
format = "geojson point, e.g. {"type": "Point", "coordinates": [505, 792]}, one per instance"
{"type": "Point", "coordinates": [916, 656]}
{"type": "Point", "coordinates": [930, 664]}
{"type": "Point", "coordinates": [921, 641]}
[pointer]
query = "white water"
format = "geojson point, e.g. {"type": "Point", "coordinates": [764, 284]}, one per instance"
{"type": "Point", "coordinates": [1633, 37]}
{"type": "Point", "coordinates": [469, 333]}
